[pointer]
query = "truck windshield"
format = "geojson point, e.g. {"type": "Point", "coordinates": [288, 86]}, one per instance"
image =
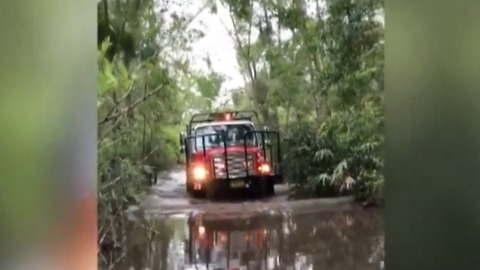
{"type": "Point", "coordinates": [234, 134]}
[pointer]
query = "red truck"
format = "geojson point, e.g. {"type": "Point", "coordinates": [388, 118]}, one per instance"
{"type": "Point", "coordinates": [224, 151]}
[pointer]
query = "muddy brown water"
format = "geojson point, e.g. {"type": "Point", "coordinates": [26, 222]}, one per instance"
{"type": "Point", "coordinates": [170, 230]}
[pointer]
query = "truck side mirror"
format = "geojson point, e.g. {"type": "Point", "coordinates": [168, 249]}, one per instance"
{"type": "Point", "coordinates": [182, 141]}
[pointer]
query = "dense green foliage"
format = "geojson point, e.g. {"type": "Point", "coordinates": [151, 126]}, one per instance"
{"type": "Point", "coordinates": [312, 69]}
{"type": "Point", "coordinates": [316, 73]}
{"type": "Point", "coordinates": [145, 86]}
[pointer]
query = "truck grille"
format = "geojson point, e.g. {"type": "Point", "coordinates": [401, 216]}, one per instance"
{"type": "Point", "coordinates": [236, 165]}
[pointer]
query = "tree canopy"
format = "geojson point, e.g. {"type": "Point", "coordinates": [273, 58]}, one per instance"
{"type": "Point", "coordinates": [312, 69]}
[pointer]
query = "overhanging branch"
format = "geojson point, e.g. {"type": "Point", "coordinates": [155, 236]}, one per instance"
{"type": "Point", "coordinates": [131, 106]}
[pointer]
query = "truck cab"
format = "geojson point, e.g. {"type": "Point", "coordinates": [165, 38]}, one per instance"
{"type": "Point", "coordinates": [225, 151]}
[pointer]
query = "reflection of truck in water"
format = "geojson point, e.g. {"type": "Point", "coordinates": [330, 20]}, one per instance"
{"type": "Point", "coordinates": [224, 151]}
{"type": "Point", "coordinates": [228, 243]}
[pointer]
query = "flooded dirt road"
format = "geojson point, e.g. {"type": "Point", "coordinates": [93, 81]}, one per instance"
{"type": "Point", "coordinates": [169, 230]}
{"type": "Point", "coordinates": [170, 193]}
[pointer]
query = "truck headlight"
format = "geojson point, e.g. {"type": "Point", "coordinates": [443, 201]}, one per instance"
{"type": "Point", "coordinates": [264, 168]}
{"type": "Point", "coordinates": [199, 173]}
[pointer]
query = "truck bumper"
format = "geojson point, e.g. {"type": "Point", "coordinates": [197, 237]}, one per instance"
{"type": "Point", "coordinates": [244, 182]}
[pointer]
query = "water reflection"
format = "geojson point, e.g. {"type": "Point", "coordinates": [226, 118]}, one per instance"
{"type": "Point", "coordinates": [230, 243]}
{"type": "Point", "coordinates": [328, 240]}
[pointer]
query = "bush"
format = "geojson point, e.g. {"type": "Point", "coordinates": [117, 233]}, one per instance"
{"type": "Point", "coordinates": [136, 138]}
{"type": "Point", "coordinates": [342, 155]}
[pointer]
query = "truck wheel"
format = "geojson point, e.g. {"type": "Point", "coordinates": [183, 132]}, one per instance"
{"type": "Point", "coordinates": [271, 188]}
{"type": "Point", "coordinates": [211, 192]}
{"type": "Point", "coordinates": [199, 194]}
{"type": "Point", "coordinates": [265, 188]}
{"type": "Point", "coordinates": [189, 188]}
{"type": "Point", "coordinates": [259, 189]}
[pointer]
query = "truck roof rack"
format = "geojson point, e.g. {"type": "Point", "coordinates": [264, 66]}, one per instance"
{"type": "Point", "coordinates": [223, 115]}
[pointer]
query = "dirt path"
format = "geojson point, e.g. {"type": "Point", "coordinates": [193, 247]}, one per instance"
{"type": "Point", "coordinates": [169, 196]}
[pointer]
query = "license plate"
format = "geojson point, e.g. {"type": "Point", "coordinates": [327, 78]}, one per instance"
{"type": "Point", "coordinates": [237, 184]}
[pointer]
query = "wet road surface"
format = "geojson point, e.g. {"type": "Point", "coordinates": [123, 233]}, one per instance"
{"type": "Point", "coordinates": [170, 230]}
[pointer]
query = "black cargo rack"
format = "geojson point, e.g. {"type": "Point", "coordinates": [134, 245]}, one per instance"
{"type": "Point", "coordinates": [213, 116]}
{"type": "Point", "coordinates": [274, 161]}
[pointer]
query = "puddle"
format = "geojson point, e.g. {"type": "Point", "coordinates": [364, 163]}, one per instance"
{"type": "Point", "coordinates": [337, 239]}
{"type": "Point", "coordinates": [176, 232]}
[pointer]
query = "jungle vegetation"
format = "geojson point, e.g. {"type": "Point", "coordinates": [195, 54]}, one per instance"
{"type": "Point", "coordinates": [312, 69]}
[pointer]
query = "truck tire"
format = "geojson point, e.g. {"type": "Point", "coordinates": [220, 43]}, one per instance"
{"type": "Point", "coordinates": [271, 188]}
{"type": "Point", "coordinates": [194, 193]}
{"type": "Point", "coordinates": [211, 192]}
{"type": "Point", "coordinates": [259, 189]}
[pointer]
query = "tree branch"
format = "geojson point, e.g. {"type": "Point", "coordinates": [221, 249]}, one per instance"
{"type": "Point", "coordinates": [150, 153]}
{"type": "Point", "coordinates": [190, 20]}
{"type": "Point", "coordinates": [237, 40]}
{"type": "Point", "coordinates": [132, 106]}
{"type": "Point", "coordinates": [250, 30]}
{"type": "Point", "coordinates": [117, 102]}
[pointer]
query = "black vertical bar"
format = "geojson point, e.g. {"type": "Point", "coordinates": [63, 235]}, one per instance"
{"type": "Point", "coordinates": [213, 168]}
{"type": "Point", "coordinates": [271, 152]}
{"type": "Point", "coordinates": [204, 150]}
{"type": "Point", "coordinates": [195, 146]}
{"type": "Point", "coordinates": [245, 150]}
{"type": "Point", "coordinates": [225, 153]}
{"type": "Point", "coordinates": [263, 144]}
{"type": "Point", "coordinates": [185, 142]}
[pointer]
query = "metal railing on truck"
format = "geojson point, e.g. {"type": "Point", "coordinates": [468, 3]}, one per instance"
{"type": "Point", "coordinates": [276, 166]}
{"type": "Point", "coordinates": [214, 116]}
{"type": "Point", "coordinates": [194, 138]}
{"type": "Point", "coordinates": [265, 136]}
